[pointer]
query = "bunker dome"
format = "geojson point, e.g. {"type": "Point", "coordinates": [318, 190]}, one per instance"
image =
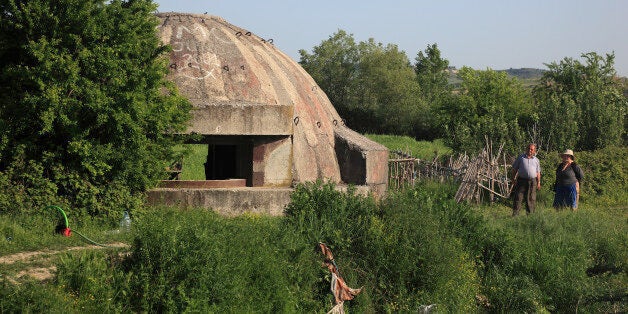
{"type": "Point", "coordinates": [266, 123]}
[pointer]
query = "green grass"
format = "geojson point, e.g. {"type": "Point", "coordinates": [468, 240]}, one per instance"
{"type": "Point", "coordinates": [195, 156]}
{"type": "Point", "coordinates": [419, 149]}
{"type": "Point", "coordinates": [35, 231]}
{"type": "Point", "coordinates": [416, 247]}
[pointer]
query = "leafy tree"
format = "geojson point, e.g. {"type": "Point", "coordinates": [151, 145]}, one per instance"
{"type": "Point", "coordinates": [385, 85]}
{"type": "Point", "coordinates": [333, 65]}
{"type": "Point", "coordinates": [371, 85]}
{"type": "Point", "coordinates": [582, 105]}
{"type": "Point", "coordinates": [431, 73]}
{"type": "Point", "coordinates": [83, 98]}
{"type": "Point", "coordinates": [490, 104]}
{"type": "Point", "coordinates": [433, 78]}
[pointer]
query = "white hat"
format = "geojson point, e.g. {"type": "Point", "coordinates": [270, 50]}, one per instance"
{"type": "Point", "coordinates": [568, 152]}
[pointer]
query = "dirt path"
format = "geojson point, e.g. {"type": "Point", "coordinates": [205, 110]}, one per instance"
{"type": "Point", "coordinates": [23, 256]}
{"type": "Point", "coordinates": [44, 273]}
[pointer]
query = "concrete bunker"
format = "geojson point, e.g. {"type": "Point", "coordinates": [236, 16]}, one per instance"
{"type": "Point", "coordinates": [266, 124]}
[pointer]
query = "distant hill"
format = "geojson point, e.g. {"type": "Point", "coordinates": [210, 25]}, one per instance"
{"type": "Point", "coordinates": [528, 76]}
{"type": "Point", "coordinates": [524, 73]}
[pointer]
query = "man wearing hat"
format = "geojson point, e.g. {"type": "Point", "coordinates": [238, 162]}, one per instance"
{"type": "Point", "coordinates": [527, 169]}
{"type": "Point", "coordinates": [567, 186]}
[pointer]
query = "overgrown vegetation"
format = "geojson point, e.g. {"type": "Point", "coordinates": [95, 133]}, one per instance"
{"type": "Point", "coordinates": [576, 104]}
{"type": "Point", "coordinates": [416, 247]}
{"type": "Point", "coordinates": [492, 105]}
{"type": "Point", "coordinates": [87, 122]}
{"type": "Point", "coordinates": [581, 105]}
{"type": "Point", "coordinates": [87, 116]}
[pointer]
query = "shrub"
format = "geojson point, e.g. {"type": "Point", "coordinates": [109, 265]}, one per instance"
{"type": "Point", "coordinates": [87, 114]}
{"type": "Point", "coordinates": [401, 253]}
{"type": "Point", "coordinates": [417, 260]}
{"type": "Point", "coordinates": [207, 263]}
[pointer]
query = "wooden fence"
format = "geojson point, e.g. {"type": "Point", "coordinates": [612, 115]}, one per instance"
{"type": "Point", "coordinates": [405, 170]}
{"type": "Point", "coordinates": [480, 177]}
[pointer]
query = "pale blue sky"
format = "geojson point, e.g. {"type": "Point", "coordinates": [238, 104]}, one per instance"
{"type": "Point", "coordinates": [496, 34]}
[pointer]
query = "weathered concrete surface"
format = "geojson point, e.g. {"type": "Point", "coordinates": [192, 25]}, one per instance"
{"type": "Point", "coordinates": [242, 119]}
{"type": "Point", "coordinates": [214, 63]}
{"type": "Point", "coordinates": [362, 161]}
{"type": "Point", "coordinates": [241, 85]}
{"type": "Point", "coordinates": [270, 157]}
{"type": "Point", "coordinates": [235, 201]}
{"type": "Point", "coordinates": [203, 184]}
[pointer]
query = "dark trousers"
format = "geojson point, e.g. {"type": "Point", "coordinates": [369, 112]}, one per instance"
{"type": "Point", "coordinates": [524, 190]}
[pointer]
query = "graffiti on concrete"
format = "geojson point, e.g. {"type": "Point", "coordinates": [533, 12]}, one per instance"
{"type": "Point", "coordinates": [192, 60]}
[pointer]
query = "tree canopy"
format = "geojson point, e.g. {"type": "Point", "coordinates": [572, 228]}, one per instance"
{"type": "Point", "coordinates": [431, 73]}
{"type": "Point", "coordinates": [575, 105]}
{"type": "Point", "coordinates": [373, 86]}
{"type": "Point", "coordinates": [84, 104]}
{"type": "Point", "coordinates": [489, 105]}
{"type": "Point", "coordinates": [581, 105]}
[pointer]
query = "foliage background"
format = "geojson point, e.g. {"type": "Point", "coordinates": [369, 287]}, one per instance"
{"type": "Point", "coordinates": [575, 104]}
{"type": "Point", "coordinates": [86, 115]}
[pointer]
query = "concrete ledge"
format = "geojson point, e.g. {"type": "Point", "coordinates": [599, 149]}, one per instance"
{"type": "Point", "coordinates": [361, 160]}
{"type": "Point", "coordinates": [203, 184]}
{"type": "Point", "coordinates": [230, 202]}
{"type": "Point", "coordinates": [241, 119]}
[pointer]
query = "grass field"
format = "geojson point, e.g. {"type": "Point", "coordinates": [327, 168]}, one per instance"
{"type": "Point", "coordinates": [419, 149]}
{"type": "Point", "coordinates": [415, 248]}
{"type": "Point", "coordinates": [194, 158]}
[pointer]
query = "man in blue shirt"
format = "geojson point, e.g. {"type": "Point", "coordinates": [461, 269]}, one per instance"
{"type": "Point", "coordinates": [527, 178]}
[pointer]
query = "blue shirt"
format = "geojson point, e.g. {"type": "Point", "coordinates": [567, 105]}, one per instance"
{"type": "Point", "coordinates": [527, 167]}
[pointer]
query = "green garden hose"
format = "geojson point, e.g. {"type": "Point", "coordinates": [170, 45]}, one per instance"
{"type": "Point", "coordinates": [67, 231]}
{"type": "Point", "coordinates": [92, 241]}
{"type": "Point", "coordinates": [65, 218]}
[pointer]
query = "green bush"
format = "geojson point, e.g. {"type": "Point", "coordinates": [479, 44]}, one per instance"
{"type": "Point", "coordinates": [418, 260]}
{"type": "Point", "coordinates": [402, 253]}
{"type": "Point", "coordinates": [207, 263]}
{"type": "Point", "coordinates": [415, 248]}
{"type": "Point", "coordinates": [87, 115]}
{"type": "Point", "coordinates": [605, 181]}
{"type": "Point", "coordinates": [25, 189]}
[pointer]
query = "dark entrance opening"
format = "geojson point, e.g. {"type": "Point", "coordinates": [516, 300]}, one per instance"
{"type": "Point", "coordinates": [221, 162]}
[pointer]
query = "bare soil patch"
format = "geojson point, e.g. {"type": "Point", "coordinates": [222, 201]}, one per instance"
{"type": "Point", "coordinates": [47, 272]}
{"type": "Point", "coordinates": [26, 256]}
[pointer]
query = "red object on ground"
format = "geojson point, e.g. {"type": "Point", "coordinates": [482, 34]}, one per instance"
{"type": "Point", "coordinates": [66, 232]}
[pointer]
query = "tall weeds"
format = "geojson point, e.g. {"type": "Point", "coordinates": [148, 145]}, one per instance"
{"type": "Point", "coordinates": [415, 248]}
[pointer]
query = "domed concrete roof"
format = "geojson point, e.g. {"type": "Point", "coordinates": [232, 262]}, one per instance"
{"type": "Point", "coordinates": [214, 63]}
{"type": "Point", "coordinates": [217, 65]}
